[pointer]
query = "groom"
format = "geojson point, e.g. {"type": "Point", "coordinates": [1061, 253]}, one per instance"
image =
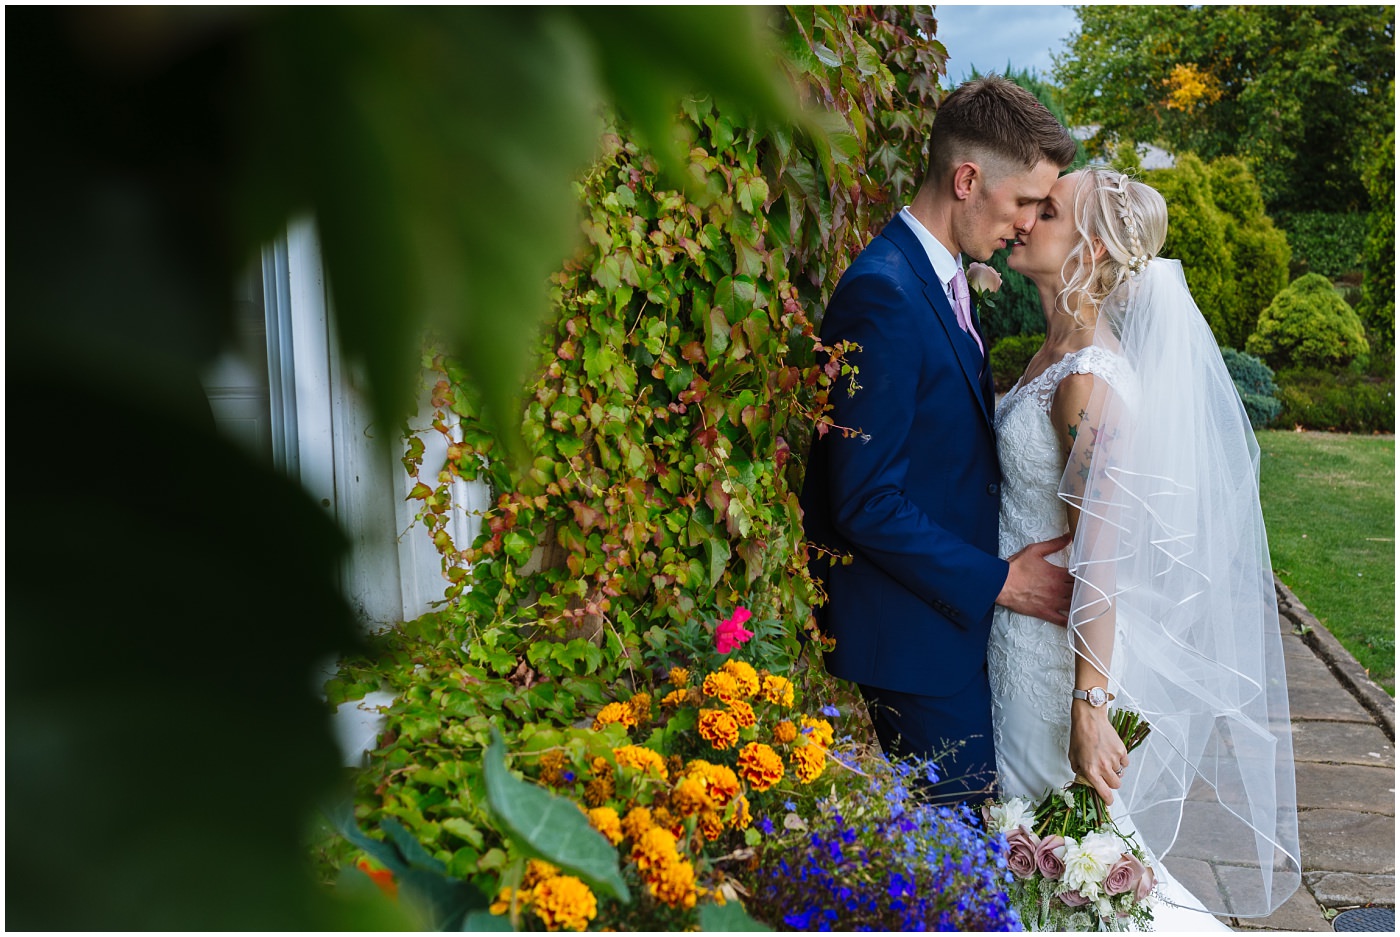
{"type": "Point", "coordinates": [912, 497]}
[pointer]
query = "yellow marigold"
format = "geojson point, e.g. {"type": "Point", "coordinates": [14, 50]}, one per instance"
{"type": "Point", "coordinates": [666, 820]}
{"type": "Point", "coordinates": [777, 690]}
{"type": "Point", "coordinates": [502, 902]}
{"type": "Point", "coordinates": [742, 713]}
{"type": "Point", "coordinates": [552, 768]}
{"type": "Point", "coordinates": [711, 825]}
{"type": "Point", "coordinates": [821, 731]}
{"type": "Point", "coordinates": [674, 698]}
{"type": "Point", "coordinates": [601, 788]}
{"type": "Point", "coordinates": [744, 675]}
{"type": "Point", "coordinates": [720, 685]}
{"type": "Point", "coordinates": [760, 766]}
{"type": "Point", "coordinates": [679, 677]}
{"type": "Point", "coordinates": [642, 759]}
{"type": "Point", "coordinates": [536, 871]}
{"type": "Point", "coordinates": [674, 884]}
{"type": "Point", "coordinates": [565, 903]}
{"type": "Point", "coordinates": [738, 813]}
{"type": "Point", "coordinates": [654, 849]}
{"type": "Point", "coordinates": [641, 708]}
{"type": "Point", "coordinates": [606, 821]}
{"type": "Point", "coordinates": [721, 783]}
{"type": "Point", "coordinates": [718, 728]}
{"type": "Point", "coordinates": [808, 762]}
{"type": "Point", "coordinates": [637, 822]}
{"type": "Point", "coordinates": [619, 713]}
{"type": "Point", "coordinates": [690, 797]}
{"type": "Point", "coordinates": [784, 732]}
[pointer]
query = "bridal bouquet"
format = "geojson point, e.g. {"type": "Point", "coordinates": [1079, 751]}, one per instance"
{"type": "Point", "coordinates": [1074, 869]}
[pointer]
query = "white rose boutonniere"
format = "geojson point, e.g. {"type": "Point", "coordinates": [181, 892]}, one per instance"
{"type": "Point", "coordinates": [983, 281]}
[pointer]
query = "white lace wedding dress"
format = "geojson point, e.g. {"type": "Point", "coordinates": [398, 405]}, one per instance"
{"type": "Point", "coordinates": [1029, 661]}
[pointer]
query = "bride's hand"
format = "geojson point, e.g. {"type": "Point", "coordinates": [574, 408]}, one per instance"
{"type": "Point", "coordinates": [1096, 753]}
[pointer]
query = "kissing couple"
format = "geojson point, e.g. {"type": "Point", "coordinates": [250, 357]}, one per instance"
{"type": "Point", "coordinates": [1095, 540]}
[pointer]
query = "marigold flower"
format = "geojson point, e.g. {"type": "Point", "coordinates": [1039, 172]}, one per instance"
{"type": "Point", "coordinates": [711, 825]}
{"type": "Point", "coordinates": [606, 821]}
{"type": "Point", "coordinates": [619, 713]}
{"type": "Point", "coordinates": [744, 675]}
{"type": "Point", "coordinates": [679, 677]}
{"type": "Point", "coordinates": [760, 766]}
{"type": "Point", "coordinates": [738, 813]}
{"type": "Point", "coordinates": [641, 708]}
{"type": "Point", "coordinates": [675, 698]}
{"type": "Point", "coordinates": [654, 849]}
{"type": "Point", "coordinates": [690, 797]}
{"type": "Point", "coordinates": [820, 731]}
{"type": "Point", "coordinates": [742, 713]}
{"type": "Point", "coordinates": [536, 871]}
{"type": "Point", "coordinates": [383, 878]}
{"type": "Point", "coordinates": [637, 822]}
{"type": "Point", "coordinates": [599, 791]}
{"type": "Point", "coordinates": [674, 884]}
{"type": "Point", "coordinates": [731, 632]}
{"type": "Point", "coordinates": [565, 903]}
{"type": "Point", "coordinates": [721, 783]}
{"type": "Point", "coordinates": [777, 690]}
{"type": "Point", "coordinates": [718, 728]}
{"type": "Point", "coordinates": [666, 820]}
{"type": "Point", "coordinates": [502, 903]}
{"type": "Point", "coordinates": [552, 768]}
{"type": "Point", "coordinates": [784, 732]}
{"type": "Point", "coordinates": [808, 762]}
{"type": "Point", "coordinates": [642, 759]}
{"type": "Point", "coordinates": [720, 685]}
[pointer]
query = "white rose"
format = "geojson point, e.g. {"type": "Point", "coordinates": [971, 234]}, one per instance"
{"type": "Point", "coordinates": [1015, 812]}
{"type": "Point", "coordinates": [983, 279]}
{"type": "Point", "coordinates": [1087, 862]}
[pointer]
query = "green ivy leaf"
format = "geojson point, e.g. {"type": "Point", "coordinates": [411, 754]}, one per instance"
{"type": "Point", "coordinates": [550, 827]}
{"type": "Point", "coordinates": [728, 917]}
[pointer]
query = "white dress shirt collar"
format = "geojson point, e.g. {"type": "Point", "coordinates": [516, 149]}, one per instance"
{"type": "Point", "coordinates": [944, 263]}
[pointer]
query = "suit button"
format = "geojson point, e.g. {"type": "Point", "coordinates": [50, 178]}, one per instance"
{"type": "Point", "coordinates": [992, 488]}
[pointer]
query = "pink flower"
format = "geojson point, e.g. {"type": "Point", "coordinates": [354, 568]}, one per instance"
{"type": "Point", "coordinates": [1050, 857]}
{"type": "Point", "coordinates": [1020, 852]}
{"type": "Point", "coordinates": [983, 279]}
{"type": "Point", "coordinates": [1074, 899]}
{"type": "Point", "coordinates": [731, 632]}
{"type": "Point", "coordinates": [1145, 884]}
{"type": "Point", "coordinates": [1124, 875]}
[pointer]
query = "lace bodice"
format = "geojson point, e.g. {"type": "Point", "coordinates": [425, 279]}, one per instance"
{"type": "Point", "coordinates": [1029, 661]}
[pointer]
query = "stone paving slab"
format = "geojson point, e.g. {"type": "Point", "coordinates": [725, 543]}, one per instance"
{"type": "Point", "coordinates": [1342, 743]}
{"type": "Point", "coordinates": [1346, 787]}
{"type": "Point", "coordinates": [1299, 913]}
{"type": "Point", "coordinates": [1198, 878]}
{"type": "Point", "coordinates": [1314, 693]}
{"type": "Point", "coordinates": [1344, 841]}
{"type": "Point", "coordinates": [1349, 890]}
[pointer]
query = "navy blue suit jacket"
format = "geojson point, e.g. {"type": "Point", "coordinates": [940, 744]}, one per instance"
{"type": "Point", "coordinates": [913, 498]}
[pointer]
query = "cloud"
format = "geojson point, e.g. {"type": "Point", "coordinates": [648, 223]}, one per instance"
{"type": "Point", "coordinates": [988, 36]}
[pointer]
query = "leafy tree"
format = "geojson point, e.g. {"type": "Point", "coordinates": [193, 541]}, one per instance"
{"type": "Point", "coordinates": [1308, 325]}
{"type": "Point", "coordinates": [1377, 307]}
{"type": "Point", "coordinates": [1297, 91]}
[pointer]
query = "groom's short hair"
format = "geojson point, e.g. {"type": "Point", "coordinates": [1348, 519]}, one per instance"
{"type": "Point", "coordinates": [992, 116]}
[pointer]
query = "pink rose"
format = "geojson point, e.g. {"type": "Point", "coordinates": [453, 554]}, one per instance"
{"type": "Point", "coordinates": [1050, 857]}
{"type": "Point", "coordinates": [982, 279]}
{"type": "Point", "coordinates": [1124, 875]}
{"type": "Point", "coordinates": [1074, 899]}
{"type": "Point", "coordinates": [1020, 852]}
{"type": "Point", "coordinates": [731, 632]}
{"type": "Point", "coordinates": [1145, 884]}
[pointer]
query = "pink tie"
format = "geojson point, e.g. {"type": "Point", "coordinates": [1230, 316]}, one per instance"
{"type": "Point", "coordinates": [963, 307]}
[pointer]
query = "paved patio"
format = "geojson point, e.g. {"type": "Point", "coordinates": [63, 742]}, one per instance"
{"type": "Point", "coordinates": [1344, 747]}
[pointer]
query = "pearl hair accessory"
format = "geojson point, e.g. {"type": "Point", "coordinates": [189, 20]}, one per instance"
{"type": "Point", "coordinates": [1137, 260]}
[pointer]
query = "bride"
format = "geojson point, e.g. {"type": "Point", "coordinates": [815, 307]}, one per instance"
{"type": "Point", "coordinates": [1126, 431]}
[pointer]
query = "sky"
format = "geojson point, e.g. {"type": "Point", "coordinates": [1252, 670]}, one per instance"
{"type": "Point", "coordinates": [987, 36]}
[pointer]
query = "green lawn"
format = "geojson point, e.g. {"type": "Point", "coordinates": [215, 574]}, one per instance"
{"type": "Point", "coordinates": [1329, 506]}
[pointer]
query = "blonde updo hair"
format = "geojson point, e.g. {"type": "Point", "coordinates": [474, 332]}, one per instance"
{"type": "Point", "coordinates": [1128, 217]}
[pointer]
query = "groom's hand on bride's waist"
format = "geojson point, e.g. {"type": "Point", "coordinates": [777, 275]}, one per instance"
{"type": "Point", "coordinates": [1036, 587]}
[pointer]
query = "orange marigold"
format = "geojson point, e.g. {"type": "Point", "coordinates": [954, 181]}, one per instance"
{"type": "Point", "coordinates": [744, 675]}
{"type": "Point", "coordinates": [777, 690]}
{"type": "Point", "coordinates": [637, 822]}
{"type": "Point", "coordinates": [606, 821]}
{"type": "Point", "coordinates": [502, 903]}
{"type": "Point", "coordinates": [808, 762]}
{"type": "Point", "coordinates": [690, 797]}
{"type": "Point", "coordinates": [565, 903]}
{"type": "Point", "coordinates": [641, 708]}
{"type": "Point", "coordinates": [711, 825]}
{"type": "Point", "coordinates": [536, 871]}
{"type": "Point", "coordinates": [679, 676]}
{"type": "Point", "coordinates": [675, 698]}
{"type": "Point", "coordinates": [552, 768]}
{"type": "Point", "coordinates": [674, 884]}
{"type": "Point", "coordinates": [718, 728]}
{"type": "Point", "coordinates": [655, 849]}
{"type": "Point", "coordinates": [642, 759]}
{"type": "Point", "coordinates": [784, 732]}
{"type": "Point", "coordinates": [738, 813]}
{"type": "Point", "coordinates": [760, 766]}
{"type": "Point", "coordinates": [742, 713]}
{"type": "Point", "coordinates": [721, 686]}
{"type": "Point", "coordinates": [721, 783]}
{"type": "Point", "coordinates": [619, 713]}
{"type": "Point", "coordinates": [821, 731]}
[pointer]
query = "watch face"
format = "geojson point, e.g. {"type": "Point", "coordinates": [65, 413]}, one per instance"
{"type": "Point", "coordinates": [1098, 696]}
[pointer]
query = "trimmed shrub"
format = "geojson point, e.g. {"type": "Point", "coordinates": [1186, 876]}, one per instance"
{"type": "Point", "coordinates": [1377, 306]}
{"type": "Point", "coordinates": [1009, 357]}
{"type": "Point", "coordinates": [1308, 325]}
{"type": "Point", "coordinates": [1313, 398]}
{"type": "Point", "coordinates": [1258, 251]}
{"type": "Point", "coordinates": [1329, 243]}
{"type": "Point", "coordinates": [1254, 380]}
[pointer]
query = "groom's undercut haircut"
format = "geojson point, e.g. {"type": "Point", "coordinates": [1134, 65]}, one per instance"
{"type": "Point", "coordinates": [994, 117]}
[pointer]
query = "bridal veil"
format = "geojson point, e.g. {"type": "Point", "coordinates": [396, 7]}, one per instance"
{"type": "Point", "coordinates": [1172, 571]}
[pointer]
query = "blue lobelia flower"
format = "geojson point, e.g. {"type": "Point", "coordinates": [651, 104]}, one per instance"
{"type": "Point", "coordinates": [830, 711]}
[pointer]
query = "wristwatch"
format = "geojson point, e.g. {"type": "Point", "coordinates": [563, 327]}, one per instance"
{"type": "Point", "coordinates": [1095, 696]}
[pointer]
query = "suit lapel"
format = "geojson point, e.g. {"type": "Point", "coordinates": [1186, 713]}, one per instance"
{"type": "Point", "coordinates": [963, 347]}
